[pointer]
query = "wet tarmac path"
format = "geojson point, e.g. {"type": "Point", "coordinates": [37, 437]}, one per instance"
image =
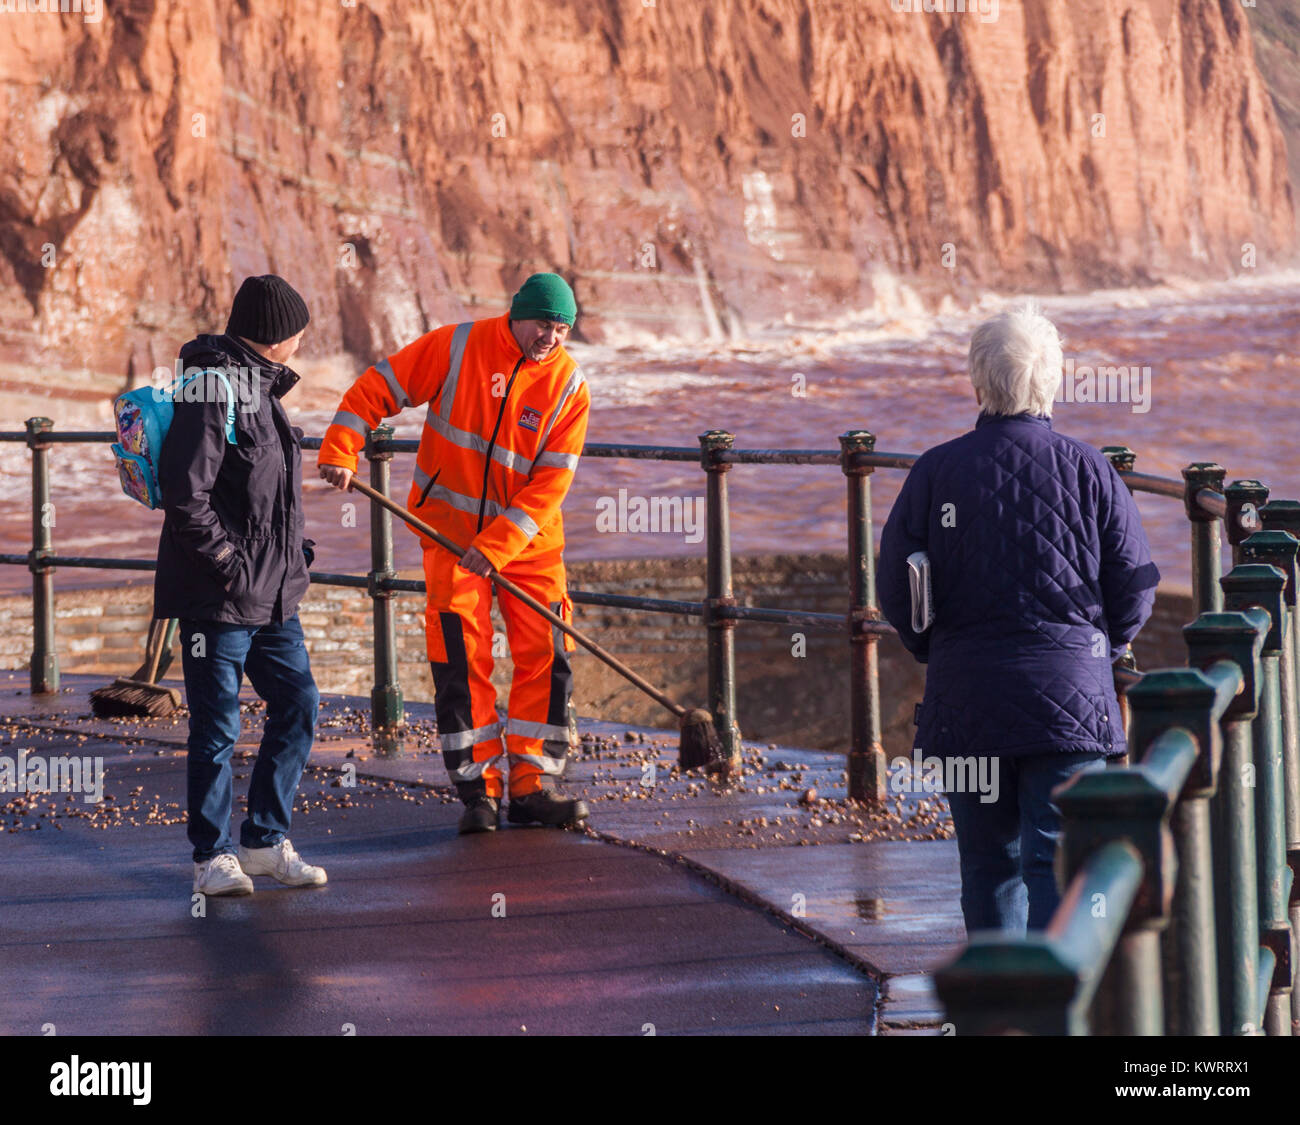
{"type": "Point", "coordinates": [419, 931]}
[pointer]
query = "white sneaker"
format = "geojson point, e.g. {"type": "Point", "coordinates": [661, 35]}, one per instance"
{"type": "Point", "coordinates": [281, 862]}
{"type": "Point", "coordinates": [221, 875]}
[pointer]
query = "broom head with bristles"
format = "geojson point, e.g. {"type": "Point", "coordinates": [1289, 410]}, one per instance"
{"type": "Point", "coordinates": [700, 746]}
{"type": "Point", "coordinates": [126, 699]}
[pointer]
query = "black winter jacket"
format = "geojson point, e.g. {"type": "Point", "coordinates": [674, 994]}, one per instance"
{"type": "Point", "coordinates": [232, 546]}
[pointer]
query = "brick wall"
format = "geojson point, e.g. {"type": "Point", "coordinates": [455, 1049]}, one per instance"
{"type": "Point", "coordinates": [792, 686]}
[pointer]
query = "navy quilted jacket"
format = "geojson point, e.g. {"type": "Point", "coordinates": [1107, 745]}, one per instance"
{"type": "Point", "coordinates": [1041, 574]}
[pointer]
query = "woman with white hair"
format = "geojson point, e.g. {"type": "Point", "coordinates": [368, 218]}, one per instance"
{"type": "Point", "coordinates": [1041, 576]}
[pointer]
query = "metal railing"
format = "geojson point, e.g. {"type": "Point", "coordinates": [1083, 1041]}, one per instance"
{"type": "Point", "coordinates": [857, 459]}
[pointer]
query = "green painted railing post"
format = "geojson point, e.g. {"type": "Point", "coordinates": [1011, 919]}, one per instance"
{"type": "Point", "coordinates": [1274, 725]}
{"type": "Point", "coordinates": [1284, 515]}
{"type": "Point", "coordinates": [1124, 460]}
{"type": "Point", "coordinates": [1194, 701]}
{"type": "Point", "coordinates": [1255, 589]}
{"type": "Point", "coordinates": [1121, 456]}
{"type": "Point", "coordinates": [867, 769]}
{"type": "Point", "coordinates": [1130, 805]}
{"type": "Point", "coordinates": [387, 709]}
{"type": "Point", "coordinates": [1243, 499]}
{"type": "Point", "coordinates": [719, 596]}
{"type": "Point", "coordinates": [45, 659]}
{"type": "Point", "coordinates": [1044, 982]}
{"type": "Point", "coordinates": [1207, 565]}
{"type": "Point", "coordinates": [1237, 638]}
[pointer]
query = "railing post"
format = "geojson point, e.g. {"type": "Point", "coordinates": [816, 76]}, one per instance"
{"type": "Point", "coordinates": [45, 657]}
{"type": "Point", "coordinates": [1236, 638]}
{"type": "Point", "coordinates": [867, 769]}
{"type": "Point", "coordinates": [1193, 701]}
{"type": "Point", "coordinates": [1130, 805]}
{"type": "Point", "coordinates": [1284, 515]}
{"type": "Point", "coordinates": [1124, 460]}
{"type": "Point", "coordinates": [1243, 500]}
{"type": "Point", "coordinates": [1207, 559]}
{"type": "Point", "coordinates": [1043, 983]}
{"type": "Point", "coordinates": [719, 595]}
{"type": "Point", "coordinates": [1276, 549]}
{"type": "Point", "coordinates": [387, 709]}
{"type": "Point", "coordinates": [1235, 848]}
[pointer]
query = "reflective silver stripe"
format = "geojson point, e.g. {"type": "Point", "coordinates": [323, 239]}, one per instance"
{"type": "Point", "coordinates": [390, 377]}
{"type": "Point", "coordinates": [457, 500]}
{"type": "Point", "coordinates": [511, 460]}
{"type": "Point", "coordinates": [351, 421]}
{"type": "Point", "coordinates": [461, 739]}
{"type": "Point", "coordinates": [543, 731]}
{"type": "Point", "coordinates": [522, 520]}
{"type": "Point", "coordinates": [570, 388]}
{"type": "Point", "coordinates": [458, 339]}
{"type": "Point", "coordinates": [472, 771]}
{"type": "Point", "coordinates": [467, 440]}
{"type": "Point", "coordinates": [559, 460]}
{"type": "Point", "coordinates": [541, 761]}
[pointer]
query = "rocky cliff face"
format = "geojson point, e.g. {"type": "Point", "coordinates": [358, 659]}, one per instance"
{"type": "Point", "coordinates": [692, 168]}
{"type": "Point", "coordinates": [1276, 28]}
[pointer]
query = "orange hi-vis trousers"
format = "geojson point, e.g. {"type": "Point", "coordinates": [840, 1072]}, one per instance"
{"type": "Point", "coordinates": [458, 628]}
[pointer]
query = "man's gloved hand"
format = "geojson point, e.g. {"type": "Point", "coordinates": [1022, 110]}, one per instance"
{"type": "Point", "coordinates": [309, 551]}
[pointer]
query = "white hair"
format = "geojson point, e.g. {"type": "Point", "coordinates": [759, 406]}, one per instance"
{"type": "Point", "coordinates": [1015, 362]}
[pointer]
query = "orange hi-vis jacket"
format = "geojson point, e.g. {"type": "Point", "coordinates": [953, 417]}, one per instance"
{"type": "Point", "coordinates": [501, 439]}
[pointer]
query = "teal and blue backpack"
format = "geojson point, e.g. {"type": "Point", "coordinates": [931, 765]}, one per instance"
{"type": "Point", "coordinates": [143, 418]}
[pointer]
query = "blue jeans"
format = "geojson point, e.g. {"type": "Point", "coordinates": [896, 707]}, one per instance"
{"type": "Point", "coordinates": [215, 657]}
{"type": "Point", "coordinates": [1007, 847]}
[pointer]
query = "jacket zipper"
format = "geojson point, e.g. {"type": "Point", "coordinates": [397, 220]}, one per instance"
{"type": "Point", "coordinates": [487, 467]}
{"type": "Point", "coordinates": [284, 503]}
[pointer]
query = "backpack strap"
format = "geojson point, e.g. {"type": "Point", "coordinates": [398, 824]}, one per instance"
{"type": "Point", "coordinates": [230, 399]}
{"type": "Point", "coordinates": [230, 405]}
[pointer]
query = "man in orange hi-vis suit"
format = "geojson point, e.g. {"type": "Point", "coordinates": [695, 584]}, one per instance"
{"type": "Point", "coordinates": [506, 423]}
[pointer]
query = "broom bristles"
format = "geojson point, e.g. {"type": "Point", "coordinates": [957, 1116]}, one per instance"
{"type": "Point", "coordinates": [131, 698]}
{"type": "Point", "coordinates": [700, 745]}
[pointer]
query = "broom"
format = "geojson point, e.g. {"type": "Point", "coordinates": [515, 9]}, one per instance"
{"type": "Point", "coordinates": [699, 744]}
{"type": "Point", "coordinates": [138, 695]}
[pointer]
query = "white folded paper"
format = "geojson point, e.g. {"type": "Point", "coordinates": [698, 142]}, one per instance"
{"type": "Point", "coordinates": [918, 582]}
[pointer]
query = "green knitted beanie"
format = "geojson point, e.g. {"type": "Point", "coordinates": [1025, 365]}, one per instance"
{"type": "Point", "coordinates": [544, 296]}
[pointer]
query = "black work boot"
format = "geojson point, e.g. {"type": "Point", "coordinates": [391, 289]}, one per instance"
{"type": "Point", "coordinates": [547, 807]}
{"type": "Point", "coordinates": [482, 814]}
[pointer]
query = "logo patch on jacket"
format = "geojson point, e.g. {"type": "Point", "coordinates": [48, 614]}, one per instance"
{"type": "Point", "coordinates": [530, 419]}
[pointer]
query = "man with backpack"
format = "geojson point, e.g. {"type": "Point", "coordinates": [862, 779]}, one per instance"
{"type": "Point", "coordinates": [232, 567]}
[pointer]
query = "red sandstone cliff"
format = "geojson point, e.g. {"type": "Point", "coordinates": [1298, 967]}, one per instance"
{"type": "Point", "coordinates": [690, 166]}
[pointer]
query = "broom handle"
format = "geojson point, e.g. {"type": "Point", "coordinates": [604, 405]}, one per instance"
{"type": "Point", "coordinates": [156, 628]}
{"type": "Point", "coordinates": [528, 600]}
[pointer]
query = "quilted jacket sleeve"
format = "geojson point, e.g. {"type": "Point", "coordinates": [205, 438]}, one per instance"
{"type": "Point", "coordinates": [903, 533]}
{"type": "Point", "coordinates": [1128, 576]}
